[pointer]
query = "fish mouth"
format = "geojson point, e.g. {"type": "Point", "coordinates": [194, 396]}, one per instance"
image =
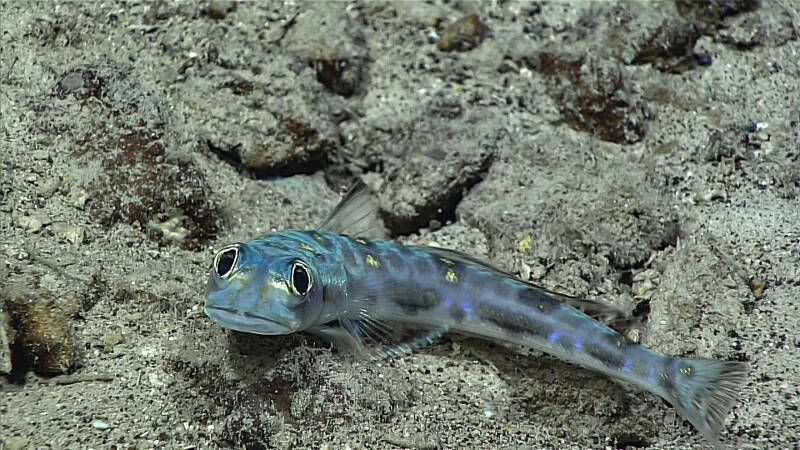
{"type": "Point", "coordinates": [247, 322]}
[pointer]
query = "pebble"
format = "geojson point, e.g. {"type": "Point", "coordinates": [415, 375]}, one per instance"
{"type": "Point", "coordinates": [172, 229]}
{"type": "Point", "coordinates": [30, 224]}
{"type": "Point", "coordinates": [649, 274]}
{"type": "Point", "coordinates": [218, 9]}
{"type": "Point", "coordinates": [72, 233]}
{"type": "Point", "coordinates": [642, 288]}
{"type": "Point", "coordinates": [15, 443]}
{"type": "Point", "coordinates": [464, 34]}
{"type": "Point", "coordinates": [757, 286]}
{"type": "Point", "coordinates": [79, 199]}
{"type": "Point", "coordinates": [41, 154]}
{"type": "Point", "coordinates": [75, 235]}
{"type": "Point", "coordinates": [5, 344]}
{"type": "Point", "coordinates": [112, 339]}
{"type": "Point", "coordinates": [48, 187]}
{"type": "Point", "coordinates": [100, 425]}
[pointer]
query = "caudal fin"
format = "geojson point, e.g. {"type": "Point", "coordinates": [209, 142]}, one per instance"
{"type": "Point", "coordinates": [706, 391]}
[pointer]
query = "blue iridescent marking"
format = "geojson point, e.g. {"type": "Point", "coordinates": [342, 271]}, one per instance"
{"type": "Point", "coordinates": [554, 336]}
{"type": "Point", "coordinates": [578, 344]}
{"type": "Point", "coordinates": [627, 367]}
{"type": "Point", "coordinates": [448, 302]}
{"type": "Point", "coordinates": [467, 308]}
{"type": "Point", "coordinates": [650, 377]}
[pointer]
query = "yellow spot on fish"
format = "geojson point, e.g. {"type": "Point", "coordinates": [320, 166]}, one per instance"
{"type": "Point", "coordinates": [664, 376]}
{"type": "Point", "coordinates": [360, 241]}
{"type": "Point", "coordinates": [308, 248]}
{"type": "Point", "coordinates": [451, 276]}
{"type": "Point", "coordinates": [686, 370]}
{"type": "Point", "coordinates": [524, 244]}
{"type": "Point", "coordinates": [373, 262]}
{"type": "Point", "coordinates": [319, 238]}
{"type": "Point", "coordinates": [446, 261]}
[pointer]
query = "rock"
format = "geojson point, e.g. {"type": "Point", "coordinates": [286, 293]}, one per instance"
{"type": "Point", "coordinates": [14, 443]}
{"type": "Point", "coordinates": [464, 34]}
{"type": "Point", "coordinates": [274, 130]}
{"type": "Point", "coordinates": [138, 184]}
{"type": "Point", "coordinates": [218, 9]}
{"type": "Point", "coordinates": [589, 223]}
{"type": "Point", "coordinates": [48, 187]}
{"type": "Point", "coordinates": [431, 161]}
{"type": "Point", "coordinates": [79, 199]}
{"type": "Point", "coordinates": [335, 49]}
{"type": "Point", "coordinates": [709, 14]}
{"type": "Point", "coordinates": [595, 96]}
{"type": "Point", "coordinates": [636, 33]}
{"type": "Point", "coordinates": [72, 233]}
{"type": "Point", "coordinates": [41, 328]}
{"type": "Point", "coordinates": [111, 339]}
{"type": "Point", "coordinates": [6, 339]}
{"type": "Point", "coordinates": [31, 224]}
{"type": "Point", "coordinates": [100, 425]}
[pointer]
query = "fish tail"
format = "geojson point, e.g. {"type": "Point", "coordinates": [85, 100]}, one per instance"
{"type": "Point", "coordinates": [705, 392]}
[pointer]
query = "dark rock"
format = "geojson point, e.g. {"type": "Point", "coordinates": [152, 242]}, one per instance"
{"type": "Point", "coordinates": [139, 184]}
{"type": "Point", "coordinates": [594, 96]}
{"type": "Point", "coordinates": [762, 28]}
{"type": "Point", "coordinates": [7, 336]}
{"type": "Point", "coordinates": [334, 47]}
{"type": "Point", "coordinates": [218, 9]}
{"type": "Point", "coordinates": [344, 76]}
{"type": "Point", "coordinates": [709, 14]}
{"type": "Point", "coordinates": [642, 33]}
{"type": "Point", "coordinates": [42, 336]}
{"type": "Point", "coordinates": [464, 34]}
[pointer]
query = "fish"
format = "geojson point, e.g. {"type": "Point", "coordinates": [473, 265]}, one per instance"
{"type": "Point", "coordinates": [347, 282]}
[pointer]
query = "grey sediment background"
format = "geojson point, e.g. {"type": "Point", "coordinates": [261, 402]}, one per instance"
{"type": "Point", "coordinates": [642, 154]}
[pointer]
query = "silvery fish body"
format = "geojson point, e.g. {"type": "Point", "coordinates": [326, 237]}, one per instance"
{"type": "Point", "coordinates": [360, 292]}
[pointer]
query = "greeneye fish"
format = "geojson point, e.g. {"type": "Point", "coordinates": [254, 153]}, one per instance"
{"type": "Point", "coordinates": [366, 293]}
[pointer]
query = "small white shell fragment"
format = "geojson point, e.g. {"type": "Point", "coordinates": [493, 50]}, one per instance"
{"type": "Point", "coordinates": [100, 425]}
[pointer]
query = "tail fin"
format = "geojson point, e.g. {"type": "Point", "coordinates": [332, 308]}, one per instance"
{"type": "Point", "coordinates": [706, 392]}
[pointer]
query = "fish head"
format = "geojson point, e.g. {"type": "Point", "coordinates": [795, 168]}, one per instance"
{"type": "Point", "coordinates": [262, 290]}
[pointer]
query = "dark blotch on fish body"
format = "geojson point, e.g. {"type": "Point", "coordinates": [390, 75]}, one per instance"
{"type": "Point", "coordinates": [609, 359]}
{"type": "Point", "coordinates": [516, 323]}
{"type": "Point", "coordinates": [538, 299]}
{"type": "Point", "coordinates": [348, 255]}
{"type": "Point", "coordinates": [414, 301]}
{"type": "Point", "coordinates": [456, 311]}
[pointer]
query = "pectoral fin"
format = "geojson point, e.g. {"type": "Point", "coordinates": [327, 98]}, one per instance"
{"type": "Point", "coordinates": [374, 339]}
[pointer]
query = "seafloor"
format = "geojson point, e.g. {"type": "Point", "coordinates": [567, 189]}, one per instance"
{"type": "Point", "coordinates": [643, 154]}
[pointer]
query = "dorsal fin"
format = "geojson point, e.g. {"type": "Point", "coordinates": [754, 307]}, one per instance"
{"type": "Point", "coordinates": [356, 215]}
{"type": "Point", "coordinates": [607, 314]}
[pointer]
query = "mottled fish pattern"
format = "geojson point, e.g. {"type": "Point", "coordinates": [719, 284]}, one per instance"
{"type": "Point", "coordinates": [378, 297]}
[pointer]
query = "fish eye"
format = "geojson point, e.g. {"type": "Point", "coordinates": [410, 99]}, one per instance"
{"type": "Point", "coordinates": [301, 278]}
{"type": "Point", "coordinates": [225, 261]}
